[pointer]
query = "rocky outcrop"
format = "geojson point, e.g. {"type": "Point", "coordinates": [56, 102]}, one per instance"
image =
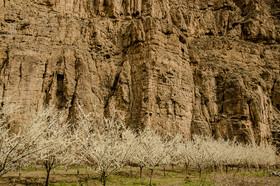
{"type": "Point", "coordinates": [199, 66]}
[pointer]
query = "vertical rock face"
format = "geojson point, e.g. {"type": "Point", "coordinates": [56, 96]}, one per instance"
{"type": "Point", "coordinates": [199, 66]}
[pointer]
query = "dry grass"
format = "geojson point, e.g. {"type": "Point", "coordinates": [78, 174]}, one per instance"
{"type": "Point", "coordinates": [128, 176]}
{"type": "Point", "coordinates": [244, 178]}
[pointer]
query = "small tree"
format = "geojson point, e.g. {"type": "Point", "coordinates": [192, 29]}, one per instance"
{"type": "Point", "coordinates": [108, 147]}
{"type": "Point", "coordinates": [222, 153]}
{"type": "Point", "coordinates": [53, 141]}
{"type": "Point", "coordinates": [185, 149]}
{"type": "Point", "coordinates": [152, 150]}
{"type": "Point", "coordinates": [10, 141]}
{"type": "Point", "coordinates": [199, 154]}
{"type": "Point", "coordinates": [267, 155]}
{"type": "Point", "coordinates": [81, 131]}
{"type": "Point", "coordinates": [172, 146]}
{"type": "Point", "coordinates": [17, 140]}
{"type": "Point", "coordinates": [138, 158]}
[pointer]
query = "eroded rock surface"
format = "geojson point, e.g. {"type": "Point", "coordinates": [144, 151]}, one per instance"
{"type": "Point", "coordinates": [184, 66]}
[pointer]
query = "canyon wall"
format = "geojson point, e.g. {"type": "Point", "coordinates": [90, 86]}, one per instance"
{"type": "Point", "coordinates": [181, 66]}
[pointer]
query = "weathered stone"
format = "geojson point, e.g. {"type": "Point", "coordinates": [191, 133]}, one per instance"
{"type": "Point", "coordinates": [206, 67]}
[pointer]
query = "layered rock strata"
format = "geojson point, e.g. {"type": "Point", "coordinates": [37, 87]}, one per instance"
{"type": "Point", "coordinates": [181, 66]}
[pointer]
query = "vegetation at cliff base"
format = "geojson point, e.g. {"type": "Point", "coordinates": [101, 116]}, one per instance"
{"type": "Point", "coordinates": [105, 151]}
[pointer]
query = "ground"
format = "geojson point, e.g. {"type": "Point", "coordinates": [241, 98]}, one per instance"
{"type": "Point", "coordinates": [130, 176]}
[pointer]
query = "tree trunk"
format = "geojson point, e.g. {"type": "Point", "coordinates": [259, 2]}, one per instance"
{"type": "Point", "coordinates": [103, 178]}
{"type": "Point", "coordinates": [130, 171]}
{"type": "Point", "coordinates": [226, 169]}
{"type": "Point", "coordinates": [19, 171]}
{"type": "Point", "coordinates": [151, 176]}
{"type": "Point", "coordinates": [200, 172]}
{"type": "Point", "coordinates": [141, 168]}
{"type": "Point", "coordinates": [164, 171]}
{"type": "Point", "coordinates": [49, 165]}
{"type": "Point", "coordinates": [48, 176]}
{"type": "Point", "coordinates": [104, 181]}
{"type": "Point", "coordinates": [186, 168]}
{"type": "Point", "coordinates": [78, 169]}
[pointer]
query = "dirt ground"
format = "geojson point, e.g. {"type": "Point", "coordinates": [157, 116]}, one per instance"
{"type": "Point", "coordinates": [130, 176]}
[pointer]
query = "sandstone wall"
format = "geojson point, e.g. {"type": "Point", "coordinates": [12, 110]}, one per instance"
{"type": "Point", "coordinates": [187, 66]}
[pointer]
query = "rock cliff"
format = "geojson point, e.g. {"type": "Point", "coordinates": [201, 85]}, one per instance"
{"type": "Point", "coordinates": [187, 66]}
